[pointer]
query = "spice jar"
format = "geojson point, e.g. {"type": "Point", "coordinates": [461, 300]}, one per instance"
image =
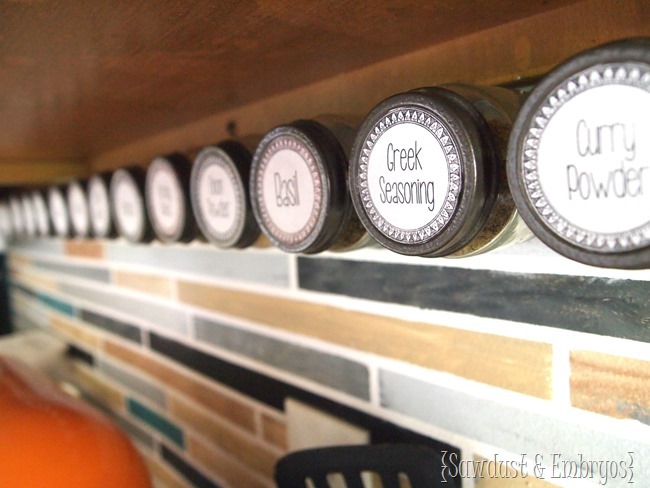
{"type": "Point", "coordinates": [99, 206]}
{"type": "Point", "coordinates": [78, 208]}
{"type": "Point", "coordinates": [220, 195]}
{"type": "Point", "coordinates": [428, 174]}
{"type": "Point", "coordinates": [579, 158]}
{"type": "Point", "coordinates": [29, 215]}
{"type": "Point", "coordinates": [167, 194]}
{"type": "Point", "coordinates": [127, 203]}
{"type": "Point", "coordinates": [298, 187]}
{"type": "Point", "coordinates": [59, 214]}
{"type": "Point", "coordinates": [42, 215]}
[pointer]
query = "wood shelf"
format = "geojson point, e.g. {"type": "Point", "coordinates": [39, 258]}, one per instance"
{"type": "Point", "coordinates": [100, 85]}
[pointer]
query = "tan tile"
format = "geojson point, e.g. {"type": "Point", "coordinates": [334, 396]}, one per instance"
{"type": "Point", "coordinates": [501, 477]}
{"type": "Point", "coordinates": [163, 475]}
{"type": "Point", "coordinates": [224, 437]}
{"type": "Point", "coordinates": [75, 331]}
{"type": "Point", "coordinates": [92, 249]}
{"type": "Point", "coordinates": [223, 467]}
{"type": "Point", "coordinates": [274, 431]}
{"type": "Point", "coordinates": [155, 285]}
{"type": "Point", "coordinates": [611, 385]}
{"type": "Point", "coordinates": [513, 364]}
{"type": "Point", "coordinates": [97, 387]}
{"type": "Point", "coordinates": [35, 279]}
{"type": "Point", "coordinates": [201, 392]}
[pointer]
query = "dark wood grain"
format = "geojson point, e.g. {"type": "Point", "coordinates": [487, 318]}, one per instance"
{"type": "Point", "coordinates": [80, 78]}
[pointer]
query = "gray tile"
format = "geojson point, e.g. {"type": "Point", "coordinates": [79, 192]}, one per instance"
{"type": "Point", "coordinates": [42, 246]}
{"type": "Point", "coordinates": [611, 307]}
{"type": "Point", "coordinates": [154, 313]}
{"type": "Point", "coordinates": [263, 267]}
{"type": "Point", "coordinates": [86, 272]}
{"type": "Point", "coordinates": [510, 428]}
{"type": "Point", "coordinates": [333, 371]}
{"type": "Point", "coordinates": [134, 383]}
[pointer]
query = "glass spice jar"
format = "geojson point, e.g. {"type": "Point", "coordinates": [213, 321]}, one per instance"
{"type": "Point", "coordinates": [428, 174]}
{"type": "Point", "coordinates": [298, 187]}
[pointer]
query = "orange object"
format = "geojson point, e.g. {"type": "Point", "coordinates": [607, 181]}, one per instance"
{"type": "Point", "coordinates": [49, 439]}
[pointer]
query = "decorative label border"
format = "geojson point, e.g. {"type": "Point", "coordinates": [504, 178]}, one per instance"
{"type": "Point", "coordinates": [455, 183]}
{"type": "Point", "coordinates": [292, 143]}
{"type": "Point", "coordinates": [630, 74]}
{"type": "Point", "coordinates": [208, 160]}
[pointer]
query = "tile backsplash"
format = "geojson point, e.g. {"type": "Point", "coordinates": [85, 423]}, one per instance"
{"type": "Point", "coordinates": [518, 356]}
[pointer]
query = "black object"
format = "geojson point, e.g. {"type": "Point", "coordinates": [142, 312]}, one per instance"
{"type": "Point", "coordinates": [232, 159]}
{"type": "Point", "coordinates": [564, 221]}
{"type": "Point", "coordinates": [421, 465]}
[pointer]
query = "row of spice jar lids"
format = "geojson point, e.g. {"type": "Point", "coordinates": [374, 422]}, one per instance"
{"type": "Point", "coordinates": [454, 170]}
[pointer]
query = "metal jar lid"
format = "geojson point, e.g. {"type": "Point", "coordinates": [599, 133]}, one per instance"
{"type": "Point", "coordinates": [423, 172]}
{"type": "Point", "coordinates": [128, 205]}
{"type": "Point", "coordinates": [59, 214]}
{"type": "Point", "coordinates": [99, 206]}
{"type": "Point", "coordinates": [167, 195]}
{"type": "Point", "coordinates": [78, 207]}
{"type": "Point", "coordinates": [43, 226]}
{"type": "Point", "coordinates": [579, 157]}
{"type": "Point", "coordinates": [219, 195]}
{"type": "Point", "coordinates": [29, 214]}
{"type": "Point", "coordinates": [298, 187]}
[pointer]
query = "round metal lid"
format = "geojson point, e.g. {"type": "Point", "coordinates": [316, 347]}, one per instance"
{"type": "Point", "coordinates": [298, 187]}
{"type": "Point", "coordinates": [579, 158]}
{"type": "Point", "coordinates": [99, 206]}
{"type": "Point", "coordinates": [220, 197]}
{"type": "Point", "coordinates": [78, 207]}
{"type": "Point", "coordinates": [42, 214]}
{"type": "Point", "coordinates": [128, 206]}
{"type": "Point", "coordinates": [167, 195]}
{"type": "Point", "coordinates": [423, 172]}
{"type": "Point", "coordinates": [59, 214]}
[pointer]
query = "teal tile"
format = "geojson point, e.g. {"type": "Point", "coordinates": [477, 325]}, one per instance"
{"type": "Point", "coordinates": [56, 304]}
{"type": "Point", "coordinates": [156, 421]}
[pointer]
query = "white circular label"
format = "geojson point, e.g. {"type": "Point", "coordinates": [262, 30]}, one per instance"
{"type": "Point", "coordinates": [58, 212]}
{"type": "Point", "coordinates": [165, 200]}
{"type": "Point", "coordinates": [78, 206]}
{"type": "Point", "coordinates": [591, 159]}
{"type": "Point", "coordinates": [289, 190]}
{"type": "Point", "coordinates": [128, 205]}
{"type": "Point", "coordinates": [17, 215]}
{"type": "Point", "coordinates": [30, 216]}
{"type": "Point", "coordinates": [42, 216]}
{"type": "Point", "coordinates": [221, 200]}
{"type": "Point", "coordinates": [99, 207]}
{"type": "Point", "coordinates": [409, 175]}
